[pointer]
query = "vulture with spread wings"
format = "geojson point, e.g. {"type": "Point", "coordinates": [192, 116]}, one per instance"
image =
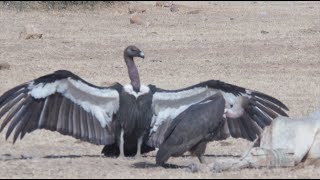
{"type": "Point", "coordinates": [130, 119]}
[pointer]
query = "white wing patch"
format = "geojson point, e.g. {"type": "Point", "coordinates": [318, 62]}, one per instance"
{"type": "Point", "coordinates": [179, 95]}
{"type": "Point", "coordinates": [102, 103]}
{"type": "Point", "coordinates": [167, 114]}
{"type": "Point", "coordinates": [164, 100]}
{"type": "Point", "coordinates": [42, 91]}
{"type": "Point", "coordinates": [168, 105]}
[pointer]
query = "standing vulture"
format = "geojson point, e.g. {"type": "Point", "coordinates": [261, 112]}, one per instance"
{"type": "Point", "coordinates": [124, 118]}
{"type": "Point", "coordinates": [192, 129]}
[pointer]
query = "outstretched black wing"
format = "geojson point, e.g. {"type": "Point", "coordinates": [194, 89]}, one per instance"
{"type": "Point", "coordinates": [61, 102]}
{"type": "Point", "coordinates": [248, 111]}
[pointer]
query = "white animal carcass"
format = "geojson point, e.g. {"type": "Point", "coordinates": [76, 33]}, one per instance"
{"type": "Point", "coordinates": [285, 143]}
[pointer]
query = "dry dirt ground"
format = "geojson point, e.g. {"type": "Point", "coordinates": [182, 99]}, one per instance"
{"type": "Point", "coordinates": [273, 47]}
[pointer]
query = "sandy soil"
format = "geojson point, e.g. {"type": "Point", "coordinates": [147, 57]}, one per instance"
{"type": "Point", "coordinates": [273, 47]}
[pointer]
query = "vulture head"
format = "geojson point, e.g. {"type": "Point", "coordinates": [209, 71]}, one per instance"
{"type": "Point", "coordinates": [133, 51]}
{"type": "Point", "coordinates": [234, 109]}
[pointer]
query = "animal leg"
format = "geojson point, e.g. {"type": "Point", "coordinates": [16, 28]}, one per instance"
{"type": "Point", "coordinates": [202, 159]}
{"type": "Point", "coordinates": [199, 151]}
{"type": "Point", "coordinates": [121, 144]}
{"type": "Point", "coordinates": [140, 140]}
{"type": "Point", "coordinates": [257, 140]}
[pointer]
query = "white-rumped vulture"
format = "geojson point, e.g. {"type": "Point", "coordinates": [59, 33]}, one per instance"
{"type": "Point", "coordinates": [126, 119]}
{"type": "Point", "coordinates": [192, 129]}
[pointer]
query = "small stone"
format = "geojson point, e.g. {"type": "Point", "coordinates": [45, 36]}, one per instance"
{"type": "Point", "coordinates": [107, 83]}
{"type": "Point", "coordinates": [30, 32]}
{"type": "Point", "coordinates": [193, 168]}
{"type": "Point", "coordinates": [26, 156]}
{"type": "Point", "coordinates": [164, 3]}
{"type": "Point", "coordinates": [6, 157]}
{"type": "Point", "coordinates": [174, 8]}
{"type": "Point", "coordinates": [155, 60]}
{"type": "Point", "coordinates": [224, 143]}
{"type": "Point", "coordinates": [194, 12]}
{"type": "Point", "coordinates": [137, 8]}
{"type": "Point", "coordinates": [135, 19]}
{"type": "Point", "coordinates": [4, 65]}
{"type": "Point", "coordinates": [264, 32]}
{"type": "Point", "coordinates": [216, 167]}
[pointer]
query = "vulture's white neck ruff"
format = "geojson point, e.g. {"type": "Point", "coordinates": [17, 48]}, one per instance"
{"type": "Point", "coordinates": [143, 90]}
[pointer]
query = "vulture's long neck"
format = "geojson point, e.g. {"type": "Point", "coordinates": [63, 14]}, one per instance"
{"type": "Point", "coordinates": [133, 73]}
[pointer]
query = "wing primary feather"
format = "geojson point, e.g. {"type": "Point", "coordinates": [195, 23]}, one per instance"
{"type": "Point", "coordinates": [267, 120]}
{"type": "Point", "coordinates": [104, 139]}
{"type": "Point", "coordinates": [70, 122]}
{"type": "Point", "coordinates": [231, 127]}
{"type": "Point", "coordinates": [234, 128]}
{"type": "Point", "coordinates": [23, 121]}
{"type": "Point", "coordinates": [243, 130]}
{"type": "Point", "coordinates": [83, 124]}
{"type": "Point", "coordinates": [76, 122]}
{"type": "Point", "coordinates": [259, 121]}
{"type": "Point", "coordinates": [12, 113]}
{"type": "Point", "coordinates": [270, 105]}
{"type": "Point", "coordinates": [61, 115]}
{"type": "Point", "coordinates": [252, 124]}
{"type": "Point", "coordinates": [16, 118]}
{"type": "Point", "coordinates": [11, 94]}
{"type": "Point", "coordinates": [32, 123]}
{"type": "Point", "coordinates": [11, 104]}
{"type": "Point", "coordinates": [54, 113]}
{"type": "Point", "coordinates": [44, 113]}
{"type": "Point", "coordinates": [66, 114]}
{"type": "Point", "coordinates": [248, 128]}
{"type": "Point", "coordinates": [268, 111]}
{"type": "Point", "coordinates": [90, 127]}
{"type": "Point", "coordinates": [97, 131]}
{"type": "Point", "coordinates": [269, 98]}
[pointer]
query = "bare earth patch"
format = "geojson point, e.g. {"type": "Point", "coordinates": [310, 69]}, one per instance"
{"type": "Point", "coordinates": [273, 47]}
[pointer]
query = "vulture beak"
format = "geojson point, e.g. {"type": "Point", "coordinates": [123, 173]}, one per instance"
{"type": "Point", "coordinates": [141, 54]}
{"type": "Point", "coordinates": [225, 113]}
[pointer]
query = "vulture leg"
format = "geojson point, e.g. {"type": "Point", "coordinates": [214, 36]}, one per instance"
{"type": "Point", "coordinates": [199, 150]}
{"type": "Point", "coordinates": [202, 159]}
{"type": "Point", "coordinates": [122, 144]}
{"type": "Point", "coordinates": [140, 140]}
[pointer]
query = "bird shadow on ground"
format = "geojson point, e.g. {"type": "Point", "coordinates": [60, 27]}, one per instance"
{"type": "Point", "coordinates": [217, 156]}
{"type": "Point", "coordinates": [147, 165]}
{"type": "Point", "coordinates": [71, 156]}
{"type": "Point", "coordinates": [9, 157]}
{"type": "Point", "coordinates": [209, 155]}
